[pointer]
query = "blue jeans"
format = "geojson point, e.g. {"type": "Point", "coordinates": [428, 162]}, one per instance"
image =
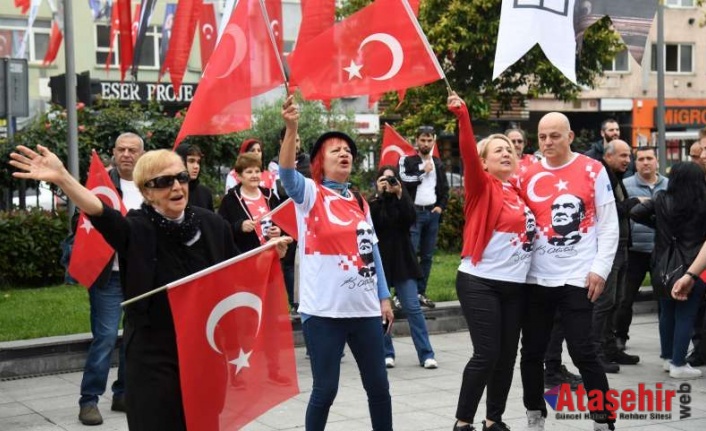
{"type": "Point", "coordinates": [407, 294]}
{"type": "Point", "coordinates": [105, 321]}
{"type": "Point", "coordinates": [423, 234]}
{"type": "Point", "coordinates": [325, 339]}
{"type": "Point", "coordinates": [676, 324]}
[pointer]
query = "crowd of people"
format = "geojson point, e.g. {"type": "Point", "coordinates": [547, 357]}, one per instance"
{"type": "Point", "coordinates": [556, 245]}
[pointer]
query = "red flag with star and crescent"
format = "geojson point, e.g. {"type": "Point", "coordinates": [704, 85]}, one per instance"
{"type": "Point", "coordinates": [90, 253]}
{"type": "Point", "coordinates": [208, 31]}
{"type": "Point", "coordinates": [285, 217]}
{"type": "Point", "coordinates": [234, 340]}
{"type": "Point", "coordinates": [244, 64]}
{"type": "Point", "coordinates": [394, 146]}
{"type": "Point", "coordinates": [377, 49]}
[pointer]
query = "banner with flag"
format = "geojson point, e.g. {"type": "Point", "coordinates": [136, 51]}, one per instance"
{"type": "Point", "coordinates": [21, 51]}
{"type": "Point", "coordinates": [245, 63]}
{"type": "Point", "coordinates": [114, 29]}
{"type": "Point", "coordinates": [23, 5]}
{"type": "Point", "coordinates": [182, 38]}
{"type": "Point", "coordinates": [135, 26]}
{"type": "Point", "coordinates": [285, 217]}
{"type": "Point", "coordinates": [143, 12]}
{"type": "Point", "coordinates": [90, 253]}
{"type": "Point", "coordinates": [525, 24]}
{"type": "Point", "coordinates": [274, 14]}
{"type": "Point", "coordinates": [56, 36]}
{"type": "Point", "coordinates": [208, 32]}
{"type": "Point", "coordinates": [234, 341]}
{"type": "Point", "coordinates": [393, 147]}
{"type": "Point", "coordinates": [126, 52]}
{"type": "Point", "coordinates": [366, 53]}
{"type": "Point", "coordinates": [167, 25]}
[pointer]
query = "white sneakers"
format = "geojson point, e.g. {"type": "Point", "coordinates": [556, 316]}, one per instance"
{"type": "Point", "coordinates": [666, 365]}
{"type": "Point", "coordinates": [600, 427]}
{"type": "Point", "coordinates": [430, 364]}
{"type": "Point", "coordinates": [685, 372]}
{"type": "Point", "coordinates": [390, 362]}
{"type": "Point", "coordinates": [535, 420]}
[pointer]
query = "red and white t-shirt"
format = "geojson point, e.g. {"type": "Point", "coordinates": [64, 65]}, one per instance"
{"type": "Point", "coordinates": [257, 207]}
{"type": "Point", "coordinates": [337, 272]}
{"type": "Point", "coordinates": [508, 254]}
{"type": "Point", "coordinates": [564, 201]}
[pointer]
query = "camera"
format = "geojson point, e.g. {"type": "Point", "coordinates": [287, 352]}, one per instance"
{"type": "Point", "coordinates": [392, 180]}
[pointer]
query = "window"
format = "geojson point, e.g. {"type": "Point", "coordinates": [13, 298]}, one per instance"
{"type": "Point", "coordinates": [680, 3]}
{"type": "Point", "coordinates": [149, 56]}
{"type": "Point", "coordinates": [12, 31]}
{"type": "Point", "coordinates": [620, 63]}
{"type": "Point", "coordinates": [678, 58]}
{"type": "Point", "coordinates": [291, 10]}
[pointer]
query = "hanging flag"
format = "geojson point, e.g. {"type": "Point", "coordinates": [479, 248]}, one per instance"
{"type": "Point", "coordinates": [393, 147]}
{"type": "Point", "coordinates": [96, 9]}
{"type": "Point", "coordinates": [274, 14]}
{"type": "Point", "coordinates": [317, 17]}
{"type": "Point", "coordinates": [146, 8]}
{"type": "Point", "coordinates": [167, 25]}
{"type": "Point", "coordinates": [208, 32]}
{"type": "Point", "coordinates": [244, 64]}
{"type": "Point", "coordinates": [367, 53]}
{"type": "Point", "coordinates": [225, 17]}
{"type": "Point", "coordinates": [23, 5]}
{"type": "Point", "coordinates": [549, 24]}
{"type": "Point", "coordinates": [126, 50]}
{"type": "Point", "coordinates": [632, 19]}
{"type": "Point", "coordinates": [56, 36]}
{"type": "Point", "coordinates": [185, 20]}
{"type": "Point", "coordinates": [234, 341]}
{"type": "Point", "coordinates": [114, 28]}
{"type": "Point", "coordinates": [135, 27]}
{"type": "Point", "coordinates": [90, 253]}
{"type": "Point", "coordinates": [285, 217]}
{"type": "Point", "coordinates": [34, 9]}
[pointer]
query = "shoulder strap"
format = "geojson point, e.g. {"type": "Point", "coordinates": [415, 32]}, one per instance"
{"type": "Point", "coordinates": [359, 198]}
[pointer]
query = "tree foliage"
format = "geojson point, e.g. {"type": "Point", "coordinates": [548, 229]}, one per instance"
{"type": "Point", "coordinates": [463, 35]}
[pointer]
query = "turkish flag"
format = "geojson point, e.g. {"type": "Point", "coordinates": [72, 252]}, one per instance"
{"type": "Point", "coordinates": [244, 64]}
{"type": "Point", "coordinates": [285, 217]}
{"type": "Point", "coordinates": [90, 253]}
{"type": "Point", "coordinates": [23, 5]}
{"type": "Point", "coordinates": [274, 14]}
{"type": "Point", "coordinates": [125, 36]}
{"type": "Point", "coordinates": [394, 146]}
{"type": "Point", "coordinates": [182, 37]}
{"type": "Point", "coordinates": [135, 25]}
{"type": "Point", "coordinates": [377, 49]}
{"type": "Point", "coordinates": [208, 32]}
{"type": "Point", "coordinates": [114, 28]}
{"type": "Point", "coordinates": [55, 38]}
{"type": "Point", "coordinates": [317, 17]}
{"type": "Point", "coordinates": [234, 340]}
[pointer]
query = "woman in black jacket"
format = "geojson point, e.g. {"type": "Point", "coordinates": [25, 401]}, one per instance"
{"type": "Point", "coordinates": [393, 215]}
{"type": "Point", "coordinates": [677, 215]}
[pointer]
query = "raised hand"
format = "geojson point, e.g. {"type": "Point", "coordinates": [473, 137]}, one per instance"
{"type": "Point", "coordinates": [40, 165]}
{"type": "Point", "coordinates": [290, 113]}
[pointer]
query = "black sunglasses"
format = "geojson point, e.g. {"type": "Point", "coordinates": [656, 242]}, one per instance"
{"type": "Point", "coordinates": [167, 180]}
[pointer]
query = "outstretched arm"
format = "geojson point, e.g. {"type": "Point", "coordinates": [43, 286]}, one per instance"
{"type": "Point", "coordinates": [43, 165]}
{"type": "Point", "coordinates": [473, 176]}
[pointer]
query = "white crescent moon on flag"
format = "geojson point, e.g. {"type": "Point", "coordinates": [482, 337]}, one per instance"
{"type": "Point", "coordinates": [237, 300]}
{"type": "Point", "coordinates": [533, 182]}
{"type": "Point", "coordinates": [241, 48]}
{"type": "Point", "coordinates": [395, 48]}
{"type": "Point", "coordinates": [274, 26]}
{"type": "Point", "coordinates": [332, 218]}
{"type": "Point", "coordinates": [207, 30]}
{"type": "Point", "coordinates": [394, 149]}
{"type": "Point", "coordinates": [109, 193]}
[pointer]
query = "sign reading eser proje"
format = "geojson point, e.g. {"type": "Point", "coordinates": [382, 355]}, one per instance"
{"type": "Point", "coordinates": [147, 91]}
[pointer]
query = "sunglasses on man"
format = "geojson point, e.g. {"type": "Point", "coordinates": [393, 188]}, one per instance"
{"type": "Point", "coordinates": [167, 180]}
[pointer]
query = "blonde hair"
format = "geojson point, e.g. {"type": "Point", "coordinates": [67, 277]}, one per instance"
{"type": "Point", "coordinates": [483, 144]}
{"type": "Point", "coordinates": [151, 163]}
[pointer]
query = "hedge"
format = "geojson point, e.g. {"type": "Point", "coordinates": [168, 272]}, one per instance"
{"type": "Point", "coordinates": [30, 248]}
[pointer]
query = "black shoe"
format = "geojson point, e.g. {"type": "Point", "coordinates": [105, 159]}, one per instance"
{"type": "Point", "coordinates": [695, 360]}
{"type": "Point", "coordinates": [557, 378]}
{"type": "Point", "coordinates": [608, 367]}
{"type": "Point", "coordinates": [620, 344]}
{"type": "Point", "coordinates": [468, 427]}
{"type": "Point", "coordinates": [90, 415]}
{"type": "Point", "coordinates": [497, 426]}
{"type": "Point", "coordinates": [118, 404]}
{"type": "Point", "coordinates": [425, 302]}
{"type": "Point", "coordinates": [622, 358]}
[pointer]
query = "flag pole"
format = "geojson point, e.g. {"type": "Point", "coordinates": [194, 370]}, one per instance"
{"type": "Point", "coordinates": [408, 8]}
{"type": "Point", "coordinates": [205, 271]}
{"type": "Point", "coordinates": [274, 45]}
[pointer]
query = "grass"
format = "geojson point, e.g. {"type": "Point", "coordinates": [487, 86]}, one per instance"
{"type": "Point", "coordinates": [61, 310]}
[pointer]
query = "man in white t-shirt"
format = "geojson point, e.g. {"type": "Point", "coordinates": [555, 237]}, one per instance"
{"type": "Point", "coordinates": [105, 296]}
{"type": "Point", "coordinates": [577, 236]}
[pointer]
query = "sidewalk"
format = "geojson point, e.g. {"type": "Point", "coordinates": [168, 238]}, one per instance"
{"type": "Point", "coordinates": [421, 399]}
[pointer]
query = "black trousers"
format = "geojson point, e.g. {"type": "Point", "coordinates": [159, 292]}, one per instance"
{"type": "Point", "coordinates": [605, 307]}
{"type": "Point", "coordinates": [493, 311]}
{"type": "Point", "coordinates": [638, 267]}
{"type": "Point", "coordinates": [552, 357]}
{"type": "Point", "coordinates": [576, 316]}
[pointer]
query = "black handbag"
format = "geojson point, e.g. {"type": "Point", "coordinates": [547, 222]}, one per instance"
{"type": "Point", "coordinates": [669, 267]}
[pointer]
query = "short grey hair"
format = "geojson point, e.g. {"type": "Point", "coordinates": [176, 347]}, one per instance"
{"type": "Point", "coordinates": [131, 135]}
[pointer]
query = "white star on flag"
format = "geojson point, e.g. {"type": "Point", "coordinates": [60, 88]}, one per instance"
{"type": "Point", "coordinates": [241, 361]}
{"type": "Point", "coordinates": [353, 70]}
{"type": "Point", "coordinates": [561, 185]}
{"type": "Point", "coordinates": [549, 23]}
{"type": "Point", "coordinates": [86, 225]}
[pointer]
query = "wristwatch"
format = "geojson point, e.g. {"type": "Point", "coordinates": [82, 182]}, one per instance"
{"type": "Point", "coordinates": [692, 275]}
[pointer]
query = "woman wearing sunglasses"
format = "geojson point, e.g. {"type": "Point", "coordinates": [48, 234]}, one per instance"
{"type": "Point", "coordinates": [163, 241]}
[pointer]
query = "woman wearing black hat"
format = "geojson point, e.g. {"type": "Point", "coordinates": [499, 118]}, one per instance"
{"type": "Point", "coordinates": [342, 288]}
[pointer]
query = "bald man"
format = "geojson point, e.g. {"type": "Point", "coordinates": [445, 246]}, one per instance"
{"type": "Point", "coordinates": [568, 276]}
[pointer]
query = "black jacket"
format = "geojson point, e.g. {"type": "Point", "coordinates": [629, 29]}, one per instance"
{"type": "Point", "coordinates": [623, 204]}
{"type": "Point", "coordinates": [597, 151]}
{"type": "Point", "coordinates": [411, 178]}
{"type": "Point", "coordinates": [657, 213]}
{"type": "Point", "coordinates": [392, 219]}
{"type": "Point", "coordinates": [200, 195]}
{"type": "Point", "coordinates": [235, 212]}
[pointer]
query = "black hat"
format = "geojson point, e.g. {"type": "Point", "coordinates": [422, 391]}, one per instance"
{"type": "Point", "coordinates": [329, 135]}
